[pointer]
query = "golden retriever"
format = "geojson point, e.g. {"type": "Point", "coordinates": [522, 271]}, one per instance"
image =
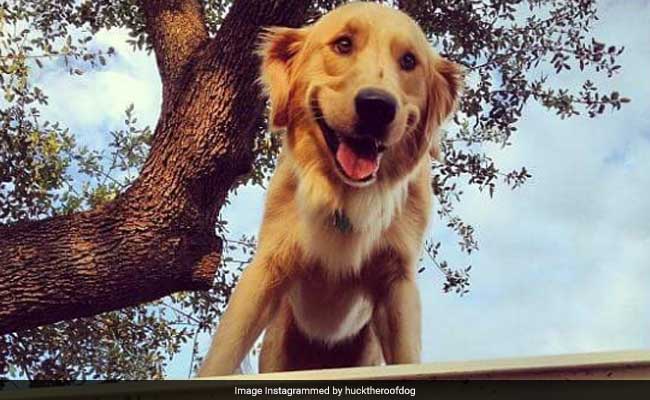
{"type": "Point", "coordinates": [360, 95]}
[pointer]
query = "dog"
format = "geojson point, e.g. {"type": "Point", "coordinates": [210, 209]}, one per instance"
{"type": "Point", "coordinates": [360, 96]}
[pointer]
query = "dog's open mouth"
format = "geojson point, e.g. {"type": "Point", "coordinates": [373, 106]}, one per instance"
{"type": "Point", "coordinates": [356, 157]}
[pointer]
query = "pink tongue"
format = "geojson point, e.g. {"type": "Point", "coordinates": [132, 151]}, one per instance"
{"type": "Point", "coordinates": [355, 166]}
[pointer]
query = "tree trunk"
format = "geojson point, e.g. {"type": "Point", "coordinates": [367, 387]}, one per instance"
{"type": "Point", "coordinates": [157, 237]}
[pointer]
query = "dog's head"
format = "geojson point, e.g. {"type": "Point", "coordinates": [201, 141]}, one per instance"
{"type": "Point", "coordinates": [361, 93]}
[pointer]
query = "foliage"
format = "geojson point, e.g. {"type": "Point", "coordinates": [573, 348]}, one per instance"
{"type": "Point", "coordinates": [509, 49]}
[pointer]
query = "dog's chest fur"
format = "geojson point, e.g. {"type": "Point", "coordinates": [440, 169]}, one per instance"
{"type": "Point", "coordinates": [330, 310]}
{"type": "Point", "coordinates": [342, 243]}
{"type": "Point", "coordinates": [339, 272]}
{"type": "Point", "coordinates": [334, 256]}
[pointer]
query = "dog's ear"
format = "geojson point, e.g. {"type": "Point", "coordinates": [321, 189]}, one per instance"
{"type": "Point", "coordinates": [445, 87]}
{"type": "Point", "coordinates": [278, 49]}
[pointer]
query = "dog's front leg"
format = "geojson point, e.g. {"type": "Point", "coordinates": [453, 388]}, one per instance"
{"type": "Point", "coordinates": [253, 302]}
{"type": "Point", "coordinates": [397, 321]}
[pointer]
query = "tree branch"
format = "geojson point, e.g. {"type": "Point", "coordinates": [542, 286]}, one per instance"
{"type": "Point", "coordinates": [176, 29]}
{"type": "Point", "coordinates": [157, 237]}
{"type": "Point", "coordinates": [86, 263]}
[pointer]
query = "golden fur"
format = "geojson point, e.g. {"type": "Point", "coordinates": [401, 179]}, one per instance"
{"type": "Point", "coordinates": [332, 297]}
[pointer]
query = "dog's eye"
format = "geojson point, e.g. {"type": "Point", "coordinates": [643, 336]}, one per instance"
{"type": "Point", "coordinates": [343, 45]}
{"type": "Point", "coordinates": [408, 62]}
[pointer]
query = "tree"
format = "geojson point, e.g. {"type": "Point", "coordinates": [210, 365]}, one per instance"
{"type": "Point", "coordinates": [82, 259]}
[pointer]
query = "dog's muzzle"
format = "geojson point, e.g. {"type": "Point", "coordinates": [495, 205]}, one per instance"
{"type": "Point", "coordinates": [357, 154]}
{"type": "Point", "coordinates": [375, 109]}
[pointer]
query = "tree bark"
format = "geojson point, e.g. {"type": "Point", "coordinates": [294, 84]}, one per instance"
{"type": "Point", "coordinates": [158, 236]}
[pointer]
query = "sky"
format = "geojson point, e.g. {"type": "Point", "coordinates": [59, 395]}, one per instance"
{"type": "Point", "coordinates": [564, 261]}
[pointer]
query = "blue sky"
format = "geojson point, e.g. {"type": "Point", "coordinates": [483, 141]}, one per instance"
{"type": "Point", "coordinates": [564, 261]}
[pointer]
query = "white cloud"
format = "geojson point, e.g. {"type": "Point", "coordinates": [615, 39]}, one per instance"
{"type": "Point", "coordinates": [94, 103]}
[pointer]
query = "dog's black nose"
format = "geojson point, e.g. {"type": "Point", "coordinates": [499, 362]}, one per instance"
{"type": "Point", "coordinates": [375, 107]}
